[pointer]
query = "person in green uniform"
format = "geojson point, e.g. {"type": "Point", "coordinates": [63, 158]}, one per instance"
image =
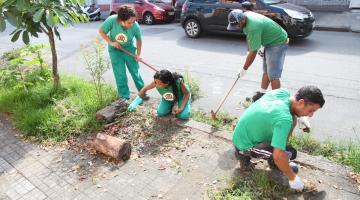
{"type": "Point", "coordinates": [261, 31]}
{"type": "Point", "coordinates": [264, 128]}
{"type": "Point", "coordinates": [175, 95]}
{"type": "Point", "coordinates": [119, 31]}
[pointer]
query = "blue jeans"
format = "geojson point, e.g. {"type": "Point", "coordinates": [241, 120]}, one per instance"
{"type": "Point", "coordinates": [273, 61]}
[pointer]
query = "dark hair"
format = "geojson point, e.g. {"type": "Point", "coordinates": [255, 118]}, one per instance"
{"type": "Point", "coordinates": [125, 13]}
{"type": "Point", "coordinates": [169, 78]}
{"type": "Point", "coordinates": [311, 94]}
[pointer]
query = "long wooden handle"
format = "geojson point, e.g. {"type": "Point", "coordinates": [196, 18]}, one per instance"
{"type": "Point", "coordinates": [223, 100]}
{"type": "Point", "coordinates": [132, 55]}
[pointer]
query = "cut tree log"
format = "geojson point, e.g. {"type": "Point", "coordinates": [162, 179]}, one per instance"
{"type": "Point", "coordinates": [108, 113]}
{"type": "Point", "coordinates": [112, 146]}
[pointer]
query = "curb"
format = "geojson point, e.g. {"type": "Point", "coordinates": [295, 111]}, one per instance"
{"type": "Point", "coordinates": [336, 29]}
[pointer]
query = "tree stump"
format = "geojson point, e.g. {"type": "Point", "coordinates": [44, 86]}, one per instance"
{"type": "Point", "coordinates": [112, 146]}
{"type": "Point", "coordinates": [108, 113]}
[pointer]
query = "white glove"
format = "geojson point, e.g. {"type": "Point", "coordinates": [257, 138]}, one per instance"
{"type": "Point", "coordinates": [241, 73]}
{"type": "Point", "coordinates": [296, 184]}
{"type": "Point", "coordinates": [304, 124]}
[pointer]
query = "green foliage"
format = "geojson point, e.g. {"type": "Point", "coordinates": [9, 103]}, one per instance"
{"type": "Point", "coordinates": [223, 120]}
{"type": "Point", "coordinates": [50, 114]}
{"type": "Point", "coordinates": [193, 85]}
{"type": "Point", "coordinates": [23, 68]}
{"type": "Point", "coordinates": [257, 185]}
{"type": "Point", "coordinates": [97, 64]}
{"type": "Point", "coordinates": [31, 17]}
{"type": "Point", "coordinates": [347, 153]}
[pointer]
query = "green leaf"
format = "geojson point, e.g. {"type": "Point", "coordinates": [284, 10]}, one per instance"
{"type": "Point", "coordinates": [25, 37]}
{"type": "Point", "coordinates": [16, 36]}
{"type": "Point", "coordinates": [11, 18]}
{"type": "Point", "coordinates": [56, 19]}
{"type": "Point", "coordinates": [50, 19]}
{"type": "Point", "coordinates": [57, 33]}
{"type": "Point", "coordinates": [2, 24]}
{"type": "Point", "coordinates": [20, 4]}
{"type": "Point", "coordinates": [38, 15]}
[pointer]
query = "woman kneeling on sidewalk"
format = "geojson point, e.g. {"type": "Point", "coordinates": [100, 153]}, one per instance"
{"type": "Point", "coordinates": [175, 95]}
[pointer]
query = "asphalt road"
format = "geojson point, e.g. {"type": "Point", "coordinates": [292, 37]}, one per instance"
{"type": "Point", "coordinates": [329, 60]}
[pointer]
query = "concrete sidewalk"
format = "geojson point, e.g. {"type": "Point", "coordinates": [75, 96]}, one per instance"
{"type": "Point", "coordinates": [28, 172]}
{"type": "Point", "coordinates": [348, 21]}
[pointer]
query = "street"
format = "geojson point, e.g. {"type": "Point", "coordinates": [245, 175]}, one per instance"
{"type": "Point", "coordinates": [329, 60]}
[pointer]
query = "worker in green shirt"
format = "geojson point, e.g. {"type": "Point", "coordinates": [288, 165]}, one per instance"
{"type": "Point", "coordinates": [264, 128]}
{"type": "Point", "coordinates": [174, 92]}
{"type": "Point", "coordinates": [119, 31]}
{"type": "Point", "coordinates": [261, 31]}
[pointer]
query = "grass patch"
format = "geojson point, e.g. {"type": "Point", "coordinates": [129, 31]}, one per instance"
{"type": "Point", "coordinates": [223, 121]}
{"type": "Point", "coordinates": [54, 116]}
{"type": "Point", "coordinates": [256, 185]}
{"type": "Point", "coordinates": [193, 85]}
{"type": "Point", "coordinates": [347, 153]}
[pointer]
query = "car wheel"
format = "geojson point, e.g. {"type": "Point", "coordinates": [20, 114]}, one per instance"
{"type": "Point", "coordinates": [149, 19]}
{"type": "Point", "coordinates": [192, 28]}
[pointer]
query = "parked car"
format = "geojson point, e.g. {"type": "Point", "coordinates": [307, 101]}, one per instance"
{"type": "Point", "coordinates": [92, 12]}
{"type": "Point", "coordinates": [147, 11]}
{"type": "Point", "coordinates": [178, 7]}
{"type": "Point", "coordinates": [200, 16]}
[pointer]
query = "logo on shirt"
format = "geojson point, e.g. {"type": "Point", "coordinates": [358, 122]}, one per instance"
{"type": "Point", "coordinates": [168, 96]}
{"type": "Point", "coordinates": [121, 38]}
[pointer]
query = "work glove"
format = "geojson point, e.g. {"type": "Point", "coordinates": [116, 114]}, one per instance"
{"type": "Point", "coordinates": [304, 124]}
{"type": "Point", "coordinates": [138, 100]}
{"type": "Point", "coordinates": [242, 72]}
{"type": "Point", "coordinates": [296, 184]}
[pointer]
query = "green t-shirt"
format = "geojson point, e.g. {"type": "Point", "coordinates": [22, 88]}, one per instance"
{"type": "Point", "coordinates": [262, 31]}
{"type": "Point", "coordinates": [117, 33]}
{"type": "Point", "coordinates": [167, 92]}
{"type": "Point", "coordinates": [267, 120]}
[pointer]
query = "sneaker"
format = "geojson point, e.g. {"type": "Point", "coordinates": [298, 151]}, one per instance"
{"type": "Point", "coordinates": [245, 164]}
{"type": "Point", "coordinates": [273, 166]}
{"type": "Point", "coordinates": [257, 96]}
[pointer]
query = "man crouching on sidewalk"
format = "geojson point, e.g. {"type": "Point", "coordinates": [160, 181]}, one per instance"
{"type": "Point", "coordinates": [264, 128]}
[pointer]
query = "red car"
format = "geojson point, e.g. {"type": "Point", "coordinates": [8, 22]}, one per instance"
{"type": "Point", "coordinates": [147, 11]}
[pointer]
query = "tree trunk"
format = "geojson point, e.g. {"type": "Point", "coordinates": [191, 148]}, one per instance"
{"type": "Point", "coordinates": [112, 146]}
{"type": "Point", "coordinates": [56, 76]}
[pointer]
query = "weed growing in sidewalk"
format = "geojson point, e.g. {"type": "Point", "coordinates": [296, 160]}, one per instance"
{"type": "Point", "coordinates": [193, 85]}
{"type": "Point", "coordinates": [347, 153]}
{"type": "Point", "coordinates": [255, 185]}
{"type": "Point", "coordinates": [223, 121]}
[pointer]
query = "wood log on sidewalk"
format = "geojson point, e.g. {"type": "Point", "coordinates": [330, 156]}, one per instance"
{"type": "Point", "coordinates": [108, 113]}
{"type": "Point", "coordinates": [112, 146]}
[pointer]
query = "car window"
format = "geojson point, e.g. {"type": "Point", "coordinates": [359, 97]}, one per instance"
{"type": "Point", "coordinates": [231, 2]}
{"type": "Point", "coordinates": [120, 1]}
{"type": "Point", "coordinates": [204, 1]}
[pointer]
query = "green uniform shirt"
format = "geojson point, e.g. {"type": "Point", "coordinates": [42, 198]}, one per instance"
{"type": "Point", "coordinates": [117, 33]}
{"type": "Point", "coordinates": [262, 31]}
{"type": "Point", "coordinates": [267, 120]}
{"type": "Point", "coordinates": [167, 92]}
